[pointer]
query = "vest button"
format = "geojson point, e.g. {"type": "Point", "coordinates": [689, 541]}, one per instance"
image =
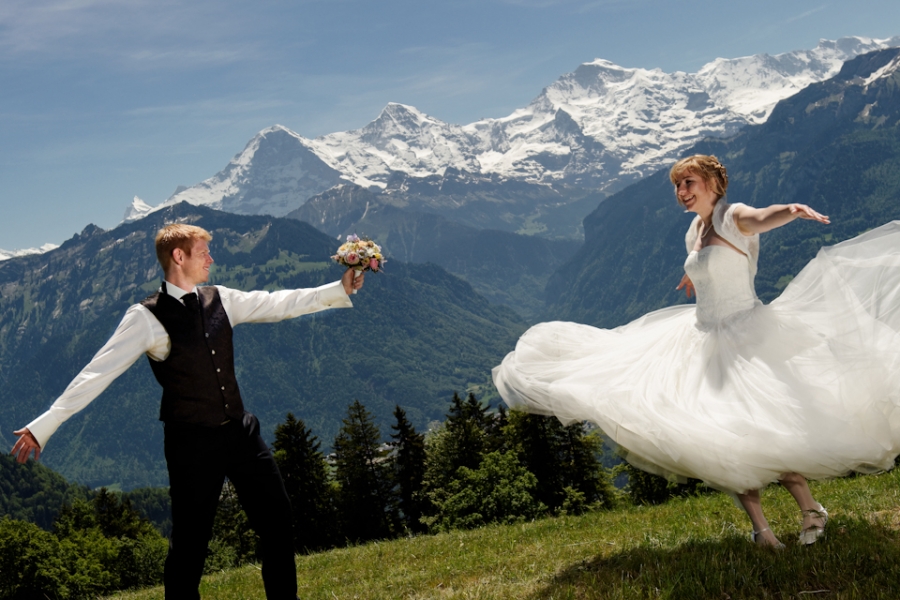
{"type": "Point", "coordinates": [223, 388]}
{"type": "Point", "coordinates": [226, 406]}
{"type": "Point", "coordinates": [213, 351]}
{"type": "Point", "coordinates": [207, 335]}
{"type": "Point", "coordinates": [218, 370]}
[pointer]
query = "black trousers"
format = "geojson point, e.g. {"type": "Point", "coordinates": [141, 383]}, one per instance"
{"type": "Point", "coordinates": [199, 459]}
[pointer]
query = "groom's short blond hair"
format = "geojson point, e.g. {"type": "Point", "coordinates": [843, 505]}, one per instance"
{"type": "Point", "coordinates": [177, 235]}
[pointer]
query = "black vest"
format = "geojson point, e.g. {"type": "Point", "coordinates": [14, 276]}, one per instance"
{"type": "Point", "coordinates": [198, 380]}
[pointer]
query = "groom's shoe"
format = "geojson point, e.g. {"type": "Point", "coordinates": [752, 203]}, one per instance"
{"type": "Point", "coordinates": [812, 532]}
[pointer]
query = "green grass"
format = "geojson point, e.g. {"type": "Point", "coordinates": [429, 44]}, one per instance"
{"type": "Point", "coordinates": [686, 549]}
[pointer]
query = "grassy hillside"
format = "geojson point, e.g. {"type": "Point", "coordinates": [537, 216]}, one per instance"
{"type": "Point", "coordinates": [690, 548]}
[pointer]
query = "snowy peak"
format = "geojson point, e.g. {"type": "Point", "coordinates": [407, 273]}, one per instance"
{"type": "Point", "coordinates": [752, 85]}
{"type": "Point", "coordinates": [275, 173]}
{"type": "Point", "coordinates": [400, 120]}
{"type": "Point", "coordinates": [7, 254]}
{"type": "Point", "coordinates": [601, 126]}
{"type": "Point", "coordinates": [635, 120]}
{"type": "Point", "coordinates": [402, 139]}
{"type": "Point", "coordinates": [595, 76]}
{"type": "Point", "coordinates": [400, 126]}
{"type": "Point", "coordinates": [138, 209]}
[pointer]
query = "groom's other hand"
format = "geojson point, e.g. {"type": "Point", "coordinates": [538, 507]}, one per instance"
{"type": "Point", "coordinates": [350, 282]}
{"type": "Point", "coordinates": [25, 445]}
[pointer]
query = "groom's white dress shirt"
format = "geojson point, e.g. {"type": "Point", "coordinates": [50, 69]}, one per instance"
{"type": "Point", "coordinates": [140, 333]}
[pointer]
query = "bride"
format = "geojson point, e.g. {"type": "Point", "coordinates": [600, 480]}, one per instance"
{"type": "Point", "coordinates": [731, 391]}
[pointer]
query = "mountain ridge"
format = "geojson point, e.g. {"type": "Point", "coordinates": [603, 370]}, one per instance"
{"type": "Point", "coordinates": [600, 127]}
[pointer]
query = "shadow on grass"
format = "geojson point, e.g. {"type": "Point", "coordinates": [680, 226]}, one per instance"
{"type": "Point", "coordinates": [858, 559]}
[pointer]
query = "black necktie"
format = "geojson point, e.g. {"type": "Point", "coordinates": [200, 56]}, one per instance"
{"type": "Point", "coordinates": [191, 302]}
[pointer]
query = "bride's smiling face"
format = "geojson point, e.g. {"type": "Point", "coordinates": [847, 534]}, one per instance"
{"type": "Point", "coordinates": [694, 194]}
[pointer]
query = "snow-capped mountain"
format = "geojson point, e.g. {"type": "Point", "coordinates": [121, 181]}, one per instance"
{"type": "Point", "coordinates": [276, 173]}
{"type": "Point", "coordinates": [138, 209]}
{"type": "Point", "coordinates": [600, 127]}
{"type": "Point", "coordinates": [7, 254]}
{"type": "Point", "coordinates": [402, 139]}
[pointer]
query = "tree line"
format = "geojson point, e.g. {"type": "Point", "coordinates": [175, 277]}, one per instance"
{"type": "Point", "coordinates": [477, 467]}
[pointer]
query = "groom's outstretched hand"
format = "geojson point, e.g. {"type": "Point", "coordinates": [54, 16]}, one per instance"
{"type": "Point", "coordinates": [350, 282]}
{"type": "Point", "coordinates": [25, 445]}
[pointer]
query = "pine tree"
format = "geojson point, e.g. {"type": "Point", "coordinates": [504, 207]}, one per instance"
{"type": "Point", "coordinates": [116, 517]}
{"type": "Point", "coordinates": [462, 441]}
{"type": "Point", "coordinates": [585, 474]}
{"type": "Point", "coordinates": [496, 440]}
{"type": "Point", "coordinates": [409, 470]}
{"type": "Point", "coordinates": [365, 502]}
{"type": "Point", "coordinates": [564, 460]}
{"type": "Point", "coordinates": [467, 423]}
{"type": "Point", "coordinates": [107, 511]}
{"type": "Point", "coordinates": [538, 444]}
{"type": "Point", "coordinates": [305, 474]}
{"type": "Point", "coordinates": [233, 542]}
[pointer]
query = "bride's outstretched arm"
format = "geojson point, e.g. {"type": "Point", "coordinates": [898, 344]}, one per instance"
{"type": "Point", "coordinates": [760, 220]}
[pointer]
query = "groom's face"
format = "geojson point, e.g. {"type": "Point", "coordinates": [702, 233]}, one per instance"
{"type": "Point", "coordinates": [196, 265]}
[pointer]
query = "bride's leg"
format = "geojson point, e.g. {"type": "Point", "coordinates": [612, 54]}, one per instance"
{"type": "Point", "coordinates": [799, 489]}
{"type": "Point", "coordinates": [814, 514]}
{"type": "Point", "coordinates": [764, 536]}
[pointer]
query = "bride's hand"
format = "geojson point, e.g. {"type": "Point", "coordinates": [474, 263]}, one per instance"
{"type": "Point", "coordinates": [804, 212]}
{"type": "Point", "coordinates": [688, 286]}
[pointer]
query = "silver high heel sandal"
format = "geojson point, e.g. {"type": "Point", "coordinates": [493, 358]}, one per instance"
{"type": "Point", "coordinates": [756, 538]}
{"type": "Point", "coordinates": [813, 533]}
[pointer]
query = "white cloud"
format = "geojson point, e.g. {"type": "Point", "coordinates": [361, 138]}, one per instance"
{"type": "Point", "coordinates": [805, 14]}
{"type": "Point", "coordinates": [131, 33]}
{"type": "Point", "coordinates": [216, 106]}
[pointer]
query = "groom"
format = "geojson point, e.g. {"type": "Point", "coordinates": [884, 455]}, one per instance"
{"type": "Point", "coordinates": [186, 332]}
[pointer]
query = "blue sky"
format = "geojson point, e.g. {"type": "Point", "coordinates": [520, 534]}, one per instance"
{"type": "Point", "coordinates": [101, 100]}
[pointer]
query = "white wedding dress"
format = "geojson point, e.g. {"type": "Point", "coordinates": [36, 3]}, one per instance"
{"type": "Point", "coordinates": [729, 390]}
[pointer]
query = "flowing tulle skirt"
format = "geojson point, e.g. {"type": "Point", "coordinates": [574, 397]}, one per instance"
{"type": "Point", "coordinates": [809, 383]}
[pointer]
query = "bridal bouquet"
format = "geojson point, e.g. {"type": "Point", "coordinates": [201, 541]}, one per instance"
{"type": "Point", "coordinates": [360, 254]}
